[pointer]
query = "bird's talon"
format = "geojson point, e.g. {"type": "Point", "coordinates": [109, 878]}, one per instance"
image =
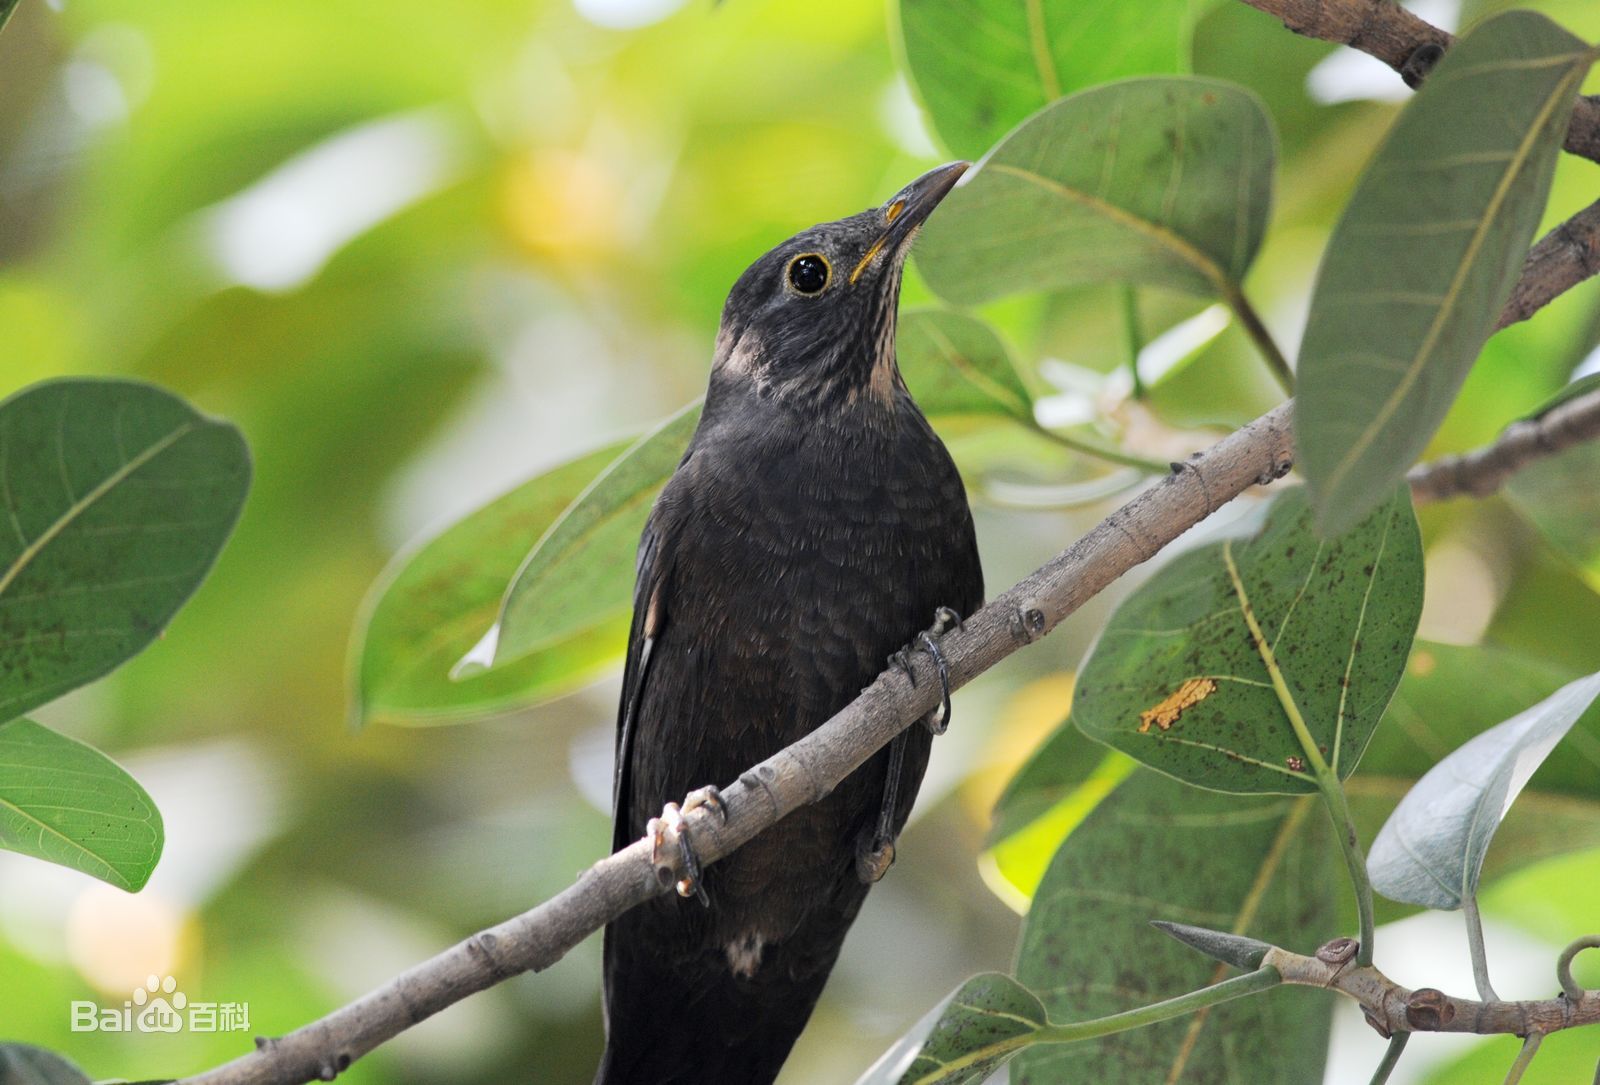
{"type": "Point", "coordinates": [671, 821]}
{"type": "Point", "coordinates": [902, 660]}
{"type": "Point", "coordinates": [874, 857]}
{"type": "Point", "coordinates": [709, 797]}
{"type": "Point", "coordinates": [941, 723]}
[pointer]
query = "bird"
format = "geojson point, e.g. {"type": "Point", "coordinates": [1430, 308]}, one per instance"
{"type": "Point", "coordinates": [813, 527]}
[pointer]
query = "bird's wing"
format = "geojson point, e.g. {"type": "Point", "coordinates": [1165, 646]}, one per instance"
{"type": "Point", "coordinates": [649, 616]}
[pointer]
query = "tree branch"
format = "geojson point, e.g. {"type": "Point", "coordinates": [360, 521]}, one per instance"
{"type": "Point", "coordinates": [1390, 1008]}
{"type": "Point", "coordinates": [1483, 471]}
{"type": "Point", "coordinates": [801, 774]}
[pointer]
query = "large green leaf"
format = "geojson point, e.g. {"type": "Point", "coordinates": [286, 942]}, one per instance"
{"type": "Point", "coordinates": [956, 364]}
{"type": "Point", "coordinates": [117, 498]}
{"type": "Point", "coordinates": [1164, 181]}
{"type": "Point", "coordinates": [1180, 680]}
{"type": "Point", "coordinates": [980, 66]}
{"type": "Point", "coordinates": [66, 802]}
{"type": "Point", "coordinates": [1431, 850]}
{"type": "Point", "coordinates": [1262, 867]}
{"type": "Point", "coordinates": [1425, 256]}
{"type": "Point", "coordinates": [434, 603]}
{"type": "Point", "coordinates": [961, 1041]}
{"type": "Point", "coordinates": [581, 570]}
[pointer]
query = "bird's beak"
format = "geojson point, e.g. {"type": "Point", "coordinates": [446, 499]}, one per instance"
{"type": "Point", "coordinates": [909, 209]}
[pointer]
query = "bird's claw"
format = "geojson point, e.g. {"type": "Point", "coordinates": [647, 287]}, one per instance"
{"type": "Point", "coordinates": [671, 822]}
{"type": "Point", "coordinates": [944, 620]}
{"type": "Point", "coordinates": [874, 857]}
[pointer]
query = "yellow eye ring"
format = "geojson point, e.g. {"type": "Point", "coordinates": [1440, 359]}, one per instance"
{"type": "Point", "coordinates": [809, 274]}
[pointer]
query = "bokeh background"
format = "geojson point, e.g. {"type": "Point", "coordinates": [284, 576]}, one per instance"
{"type": "Point", "coordinates": [420, 251]}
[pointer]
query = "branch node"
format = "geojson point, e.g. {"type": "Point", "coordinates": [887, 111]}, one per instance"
{"type": "Point", "coordinates": [1420, 62]}
{"type": "Point", "coordinates": [1338, 951]}
{"type": "Point", "coordinates": [1429, 1009]}
{"type": "Point", "coordinates": [1027, 622]}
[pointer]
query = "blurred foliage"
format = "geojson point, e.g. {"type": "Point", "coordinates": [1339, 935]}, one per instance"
{"type": "Point", "coordinates": [423, 253]}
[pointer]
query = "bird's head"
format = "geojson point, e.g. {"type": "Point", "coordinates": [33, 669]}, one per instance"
{"type": "Point", "coordinates": [814, 319]}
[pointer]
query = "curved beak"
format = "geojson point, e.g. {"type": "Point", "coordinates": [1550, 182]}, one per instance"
{"type": "Point", "coordinates": [913, 204]}
{"type": "Point", "coordinates": [905, 213]}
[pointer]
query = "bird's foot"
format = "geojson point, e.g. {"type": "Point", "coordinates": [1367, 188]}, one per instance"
{"type": "Point", "coordinates": [944, 620]}
{"type": "Point", "coordinates": [874, 857]}
{"type": "Point", "coordinates": [671, 824]}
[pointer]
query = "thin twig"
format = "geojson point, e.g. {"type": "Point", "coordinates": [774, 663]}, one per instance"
{"type": "Point", "coordinates": [1483, 471]}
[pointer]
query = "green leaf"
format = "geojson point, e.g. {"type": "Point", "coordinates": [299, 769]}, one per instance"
{"type": "Point", "coordinates": [1059, 767]}
{"type": "Point", "coordinates": [965, 1038]}
{"type": "Point", "coordinates": [117, 499]}
{"type": "Point", "coordinates": [65, 802]}
{"type": "Point", "coordinates": [24, 1064]}
{"type": "Point", "coordinates": [1161, 181]}
{"type": "Point", "coordinates": [956, 364]}
{"type": "Point", "coordinates": [1425, 256]}
{"type": "Point", "coordinates": [1179, 681]}
{"type": "Point", "coordinates": [433, 604]}
{"type": "Point", "coordinates": [581, 570]}
{"type": "Point", "coordinates": [1248, 865]}
{"type": "Point", "coordinates": [980, 67]}
{"type": "Point", "coordinates": [1431, 850]}
{"type": "Point", "coordinates": [1558, 493]}
{"type": "Point", "coordinates": [1444, 701]}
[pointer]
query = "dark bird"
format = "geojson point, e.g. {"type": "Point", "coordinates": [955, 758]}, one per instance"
{"type": "Point", "coordinates": [814, 525]}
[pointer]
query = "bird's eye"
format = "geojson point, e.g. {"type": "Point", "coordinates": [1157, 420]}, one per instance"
{"type": "Point", "coordinates": [809, 274]}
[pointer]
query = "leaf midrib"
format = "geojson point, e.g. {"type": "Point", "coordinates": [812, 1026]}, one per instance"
{"type": "Point", "coordinates": [1502, 189]}
{"type": "Point", "coordinates": [1185, 250]}
{"type": "Point", "coordinates": [32, 550]}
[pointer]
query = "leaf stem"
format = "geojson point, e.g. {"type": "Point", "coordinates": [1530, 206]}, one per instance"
{"type": "Point", "coordinates": [1391, 1057]}
{"type": "Point", "coordinates": [1134, 337]}
{"type": "Point", "coordinates": [1099, 451]}
{"type": "Point", "coordinates": [1480, 959]}
{"type": "Point", "coordinates": [1327, 780]}
{"type": "Point", "coordinates": [1233, 296]}
{"type": "Point", "coordinates": [1262, 979]}
{"type": "Point", "coordinates": [1530, 1048]}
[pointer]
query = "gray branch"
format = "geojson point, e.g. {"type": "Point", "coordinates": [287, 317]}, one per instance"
{"type": "Point", "coordinates": [1483, 471]}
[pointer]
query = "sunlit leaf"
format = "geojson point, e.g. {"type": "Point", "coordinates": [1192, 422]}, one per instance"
{"type": "Point", "coordinates": [965, 1038]}
{"type": "Point", "coordinates": [581, 569]}
{"type": "Point", "coordinates": [66, 802]}
{"type": "Point", "coordinates": [434, 603]}
{"type": "Point", "coordinates": [1425, 256]}
{"type": "Point", "coordinates": [1261, 867]}
{"type": "Point", "coordinates": [1431, 850]}
{"type": "Point", "coordinates": [980, 67]}
{"type": "Point", "coordinates": [1163, 181]}
{"type": "Point", "coordinates": [1179, 681]}
{"type": "Point", "coordinates": [117, 498]}
{"type": "Point", "coordinates": [956, 364]}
